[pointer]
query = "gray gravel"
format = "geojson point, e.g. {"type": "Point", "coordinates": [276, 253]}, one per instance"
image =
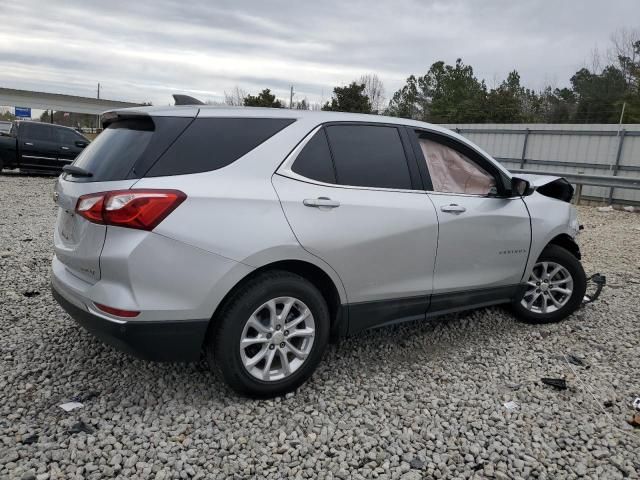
{"type": "Point", "coordinates": [410, 402]}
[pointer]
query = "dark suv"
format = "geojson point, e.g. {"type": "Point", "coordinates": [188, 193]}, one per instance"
{"type": "Point", "coordinates": [35, 147]}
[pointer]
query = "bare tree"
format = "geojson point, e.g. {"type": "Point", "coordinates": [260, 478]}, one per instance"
{"type": "Point", "coordinates": [235, 98]}
{"type": "Point", "coordinates": [625, 51]}
{"type": "Point", "coordinates": [374, 89]}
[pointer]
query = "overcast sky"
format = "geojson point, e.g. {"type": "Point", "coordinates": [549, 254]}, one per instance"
{"type": "Point", "coordinates": [145, 50]}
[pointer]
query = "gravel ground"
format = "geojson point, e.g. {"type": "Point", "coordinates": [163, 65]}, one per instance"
{"type": "Point", "coordinates": [415, 401]}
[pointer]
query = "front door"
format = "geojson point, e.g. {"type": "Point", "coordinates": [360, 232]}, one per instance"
{"type": "Point", "coordinates": [484, 237]}
{"type": "Point", "coordinates": [354, 205]}
{"type": "Point", "coordinates": [70, 144]}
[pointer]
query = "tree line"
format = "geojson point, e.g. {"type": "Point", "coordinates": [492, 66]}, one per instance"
{"type": "Point", "coordinates": [453, 94]}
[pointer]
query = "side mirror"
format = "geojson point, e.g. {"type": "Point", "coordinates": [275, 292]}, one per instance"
{"type": "Point", "coordinates": [520, 187]}
{"type": "Point", "coordinates": [81, 144]}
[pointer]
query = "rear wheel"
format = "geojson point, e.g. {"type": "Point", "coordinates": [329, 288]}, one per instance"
{"type": "Point", "coordinates": [555, 288]}
{"type": "Point", "coordinates": [271, 335]}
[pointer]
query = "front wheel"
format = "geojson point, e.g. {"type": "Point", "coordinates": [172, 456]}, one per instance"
{"type": "Point", "coordinates": [554, 290]}
{"type": "Point", "coordinates": [271, 335]}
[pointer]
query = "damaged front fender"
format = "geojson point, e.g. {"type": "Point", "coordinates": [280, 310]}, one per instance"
{"type": "Point", "coordinates": [550, 186]}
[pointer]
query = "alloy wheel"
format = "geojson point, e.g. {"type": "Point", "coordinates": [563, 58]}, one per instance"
{"type": "Point", "coordinates": [549, 288]}
{"type": "Point", "coordinates": [277, 338]}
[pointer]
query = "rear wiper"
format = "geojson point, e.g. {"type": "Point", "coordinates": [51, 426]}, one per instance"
{"type": "Point", "coordinates": [76, 171]}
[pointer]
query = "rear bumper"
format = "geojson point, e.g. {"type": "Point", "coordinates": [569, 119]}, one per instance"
{"type": "Point", "coordinates": [160, 341]}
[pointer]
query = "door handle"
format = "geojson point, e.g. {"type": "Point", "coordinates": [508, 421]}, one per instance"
{"type": "Point", "coordinates": [453, 208]}
{"type": "Point", "coordinates": [321, 202]}
{"type": "Point", "coordinates": [64, 148]}
{"type": "Point", "coordinates": [29, 144]}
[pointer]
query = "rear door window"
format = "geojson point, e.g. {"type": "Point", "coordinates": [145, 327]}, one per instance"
{"type": "Point", "coordinates": [212, 143]}
{"type": "Point", "coordinates": [369, 156]}
{"type": "Point", "coordinates": [314, 161]}
{"type": "Point", "coordinates": [69, 137]}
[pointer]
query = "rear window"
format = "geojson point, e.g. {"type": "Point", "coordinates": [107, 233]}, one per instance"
{"type": "Point", "coordinates": [212, 143]}
{"type": "Point", "coordinates": [162, 146]}
{"type": "Point", "coordinates": [127, 148]}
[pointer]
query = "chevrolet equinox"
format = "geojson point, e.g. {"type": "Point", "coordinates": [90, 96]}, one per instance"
{"type": "Point", "coordinates": [257, 235]}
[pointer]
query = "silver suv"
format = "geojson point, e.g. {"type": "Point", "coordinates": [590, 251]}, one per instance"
{"type": "Point", "coordinates": [257, 235]}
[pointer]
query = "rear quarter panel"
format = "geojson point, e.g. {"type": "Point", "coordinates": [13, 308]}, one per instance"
{"type": "Point", "coordinates": [234, 212]}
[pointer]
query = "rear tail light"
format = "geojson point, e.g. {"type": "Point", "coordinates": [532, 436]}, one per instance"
{"type": "Point", "coordinates": [141, 209]}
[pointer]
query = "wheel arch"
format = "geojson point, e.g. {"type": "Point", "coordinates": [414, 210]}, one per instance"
{"type": "Point", "coordinates": [568, 243]}
{"type": "Point", "coordinates": [311, 272]}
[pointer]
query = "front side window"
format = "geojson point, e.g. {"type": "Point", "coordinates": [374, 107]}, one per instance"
{"type": "Point", "coordinates": [369, 156]}
{"type": "Point", "coordinates": [453, 172]}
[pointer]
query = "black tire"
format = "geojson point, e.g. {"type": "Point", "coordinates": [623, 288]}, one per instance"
{"type": "Point", "coordinates": [223, 351]}
{"type": "Point", "coordinates": [559, 255]}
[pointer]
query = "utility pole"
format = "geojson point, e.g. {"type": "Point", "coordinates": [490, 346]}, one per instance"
{"type": "Point", "coordinates": [624, 104]}
{"type": "Point", "coordinates": [98, 116]}
{"type": "Point", "coordinates": [291, 98]}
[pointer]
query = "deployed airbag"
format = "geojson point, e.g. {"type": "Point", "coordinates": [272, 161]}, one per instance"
{"type": "Point", "coordinates": [453, 172]}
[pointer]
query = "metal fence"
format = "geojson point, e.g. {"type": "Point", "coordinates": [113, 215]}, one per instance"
{"type": "Point", "coordinates": [576, 150]}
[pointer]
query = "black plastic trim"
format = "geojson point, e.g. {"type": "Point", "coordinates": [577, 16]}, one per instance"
{"type": "Point", "coordinates": [449, 302]}
{"type": "Point", "coordinates": [366, 315]}
{"type": "Point", "coordinates": [165, 341]}
{"type": "Point", "coordinates": [381, 313]}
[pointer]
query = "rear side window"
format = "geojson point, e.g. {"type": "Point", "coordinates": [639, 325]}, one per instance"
{"type": "Point", "coordinates": [369, 156]}
{"type": "Point", "coordinates": [127, 148]}
{"type": "Point", "coordinates": [212, 143]}
{"type": "Point", "coordinates": [35, 131]}
{"type": "Point", "coordinates": [314, 161]}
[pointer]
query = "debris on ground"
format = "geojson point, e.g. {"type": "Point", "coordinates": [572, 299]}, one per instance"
{"type": "Point", "coordinates": [635, 420]}
{"type": "Point", "coordinates": [629, 208]}
{"type": "Point", "coordinates": [70, 406]}
{"type": "Point", "coordinates": [575, 360]}
{"type": "Point", "coordinates": [81, 427]}
{"type": "Point", "coordinates": [605, 209]}
{"type": "Point", "coordinates": [31, 293]}
{"type": "Point", "coordinates": [557, 383]}
{"type": "Point", "coordinates": [636, 403]}
{"type": "Point", "coordinates": [85, 397]}
{"type": "Point", "coordinates": [29, 439]}
{"type": "Point", "coordinates": [511, 405]}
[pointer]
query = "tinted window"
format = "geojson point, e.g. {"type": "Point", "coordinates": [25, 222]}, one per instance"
{"type": "Point", "coordinates": [127, 148]}
{"type": "Point", "coordinates": [315, 161]}
{"type": "Point", "coordinates": [212, 143]}
{"type": "Point", "coordinates": [41, 132]}
{"type": "Point", "coordinates": [68, 137]}
{"type": "Point", "coordinates": [369, 156]}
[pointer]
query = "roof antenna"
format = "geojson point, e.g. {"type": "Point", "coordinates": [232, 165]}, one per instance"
{"type": "Point", "coordinates": [186, 100]}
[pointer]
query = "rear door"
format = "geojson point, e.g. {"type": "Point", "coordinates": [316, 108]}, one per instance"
{"type": "Point", "coordinates": [38, 146]}
{"type": "Point", "coordinates": [353, 199]}
{"type": "Point", "coordinates": [484, 235]}
{"type": "Point", "coordinates": [112, 159]}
